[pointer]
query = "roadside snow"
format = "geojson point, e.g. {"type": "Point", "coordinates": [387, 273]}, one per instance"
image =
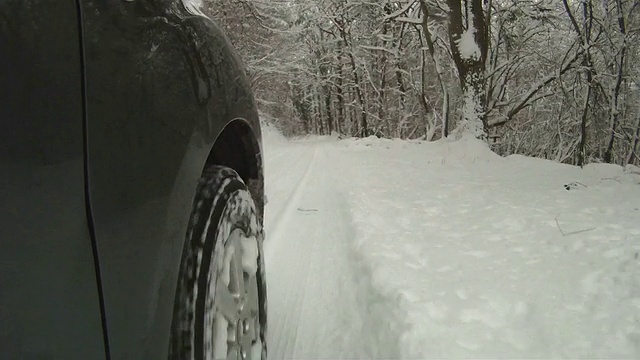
{"type": "Point", "coordinates": [446, 250]}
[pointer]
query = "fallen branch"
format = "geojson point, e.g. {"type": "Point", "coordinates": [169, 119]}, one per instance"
{"type": "Point", "coordinates": [573, 232]}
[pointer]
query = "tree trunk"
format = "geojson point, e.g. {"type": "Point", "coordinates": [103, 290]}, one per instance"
{"type": "Point", "coordinates": [340, 121]}
{"type": "Point", "coordinates": [583, 123]}
{"type": "Point", "coordinates": [327, 104]}
{"type": "Point", "coordinates": [633, 152]}
{"type": "Point", "coordinates": [364, 128]}
{"type": "Point", "coordinates": [469, 45]}
{"type": "Point", "coordinates": [585, 40]}
{"type": "Point", "coordinates": [382, 101]}
{"type": "Point", "coordinates": [400, 83]}
{"type": "Point", "coordinates": [358, 85]}
{"type": "Point", "coordinates": [432, 52]}
{"type": "Point", "coordinates": [615, 96]}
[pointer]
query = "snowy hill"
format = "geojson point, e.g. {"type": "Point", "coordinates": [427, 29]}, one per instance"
{"type": "Point", "coordinates": [393, 249]}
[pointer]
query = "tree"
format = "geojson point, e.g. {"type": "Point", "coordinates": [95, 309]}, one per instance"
{"type": "Point", "coordinates": [468, 41]}
{"type": "Point", "coordinates": [547, 78]}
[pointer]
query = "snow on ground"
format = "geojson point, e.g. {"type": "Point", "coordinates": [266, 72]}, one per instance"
{"type": "Point", "coordinates": [392, 249]}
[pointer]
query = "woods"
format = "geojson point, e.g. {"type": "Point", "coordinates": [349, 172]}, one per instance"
{"type": "Point", "coordinates": [556, 79]}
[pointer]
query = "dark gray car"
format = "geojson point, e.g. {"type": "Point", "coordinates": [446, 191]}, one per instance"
{"type": "Point", "coordinates": [130, 185]}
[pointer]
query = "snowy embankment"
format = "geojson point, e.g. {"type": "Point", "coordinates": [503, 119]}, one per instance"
{"type": "Point", "coordinates": [446, 250]}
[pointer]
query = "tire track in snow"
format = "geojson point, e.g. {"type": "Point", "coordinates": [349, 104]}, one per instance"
{"type": "Point", "coordinates": [273, 227]}
{"type": "Point", "coordinates": [280, 340]}
{"type": "Point", "coordinates": [275, 169]}
{"type": "Point", "coordinates": [321, 301]}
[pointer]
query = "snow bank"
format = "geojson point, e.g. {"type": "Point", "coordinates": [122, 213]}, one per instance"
{"type": "Point", "coordinates": [458, 252]}
{"type": "Point", "coordinates": [492, 257]}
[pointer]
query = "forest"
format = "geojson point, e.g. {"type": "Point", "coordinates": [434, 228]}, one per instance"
{"type": "Point", "coordinates": [555, 79]}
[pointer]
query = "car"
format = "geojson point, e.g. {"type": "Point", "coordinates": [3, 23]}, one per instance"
{"type": "Point", "coordinates": [131, 185]}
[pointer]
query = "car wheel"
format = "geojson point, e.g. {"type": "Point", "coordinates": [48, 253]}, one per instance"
{"type": "Point", "coordinates": [220, 306]}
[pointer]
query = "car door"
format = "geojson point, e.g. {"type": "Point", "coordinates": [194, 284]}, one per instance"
{"type": "Point", "coordinates": [145, 93]}
{"type": "Point", "coordinates": [49, 298]}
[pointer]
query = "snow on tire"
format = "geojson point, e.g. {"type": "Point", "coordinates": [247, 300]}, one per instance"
{"type": "Point", "coordinates": [220, 306]}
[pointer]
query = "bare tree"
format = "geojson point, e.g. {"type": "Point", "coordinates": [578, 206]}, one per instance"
{"type": "Point", "coordinates": [547, 78]}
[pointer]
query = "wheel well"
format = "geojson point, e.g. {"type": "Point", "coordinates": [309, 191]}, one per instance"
{"type": "Point", "coordinates": [237, 147]}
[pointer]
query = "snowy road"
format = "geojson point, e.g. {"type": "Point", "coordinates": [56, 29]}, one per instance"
{"type": "Point", "coordinates": [316, 287]}
{"type": "Point", "coordinates": [390, 249]}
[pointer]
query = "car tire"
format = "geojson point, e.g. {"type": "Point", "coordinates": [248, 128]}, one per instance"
{"type": "Point", "coordinates": [220, 305]}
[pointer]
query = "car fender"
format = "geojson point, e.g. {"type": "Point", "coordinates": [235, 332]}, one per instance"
{"type": "Point", "coordinates": [162, 85]}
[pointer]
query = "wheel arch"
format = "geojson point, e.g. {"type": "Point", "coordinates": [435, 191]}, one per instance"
{"type": "Point", "coordinates": [238, 147]}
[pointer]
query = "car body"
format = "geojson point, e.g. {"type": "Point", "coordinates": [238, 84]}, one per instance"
{"type": "Point", "coordinates": [109, 112]}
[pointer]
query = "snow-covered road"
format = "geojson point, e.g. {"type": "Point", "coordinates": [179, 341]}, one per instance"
{"type": "Point", "coordinates": [391, 249]}
{"type": "Point", "coordinates": [317, 290]}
